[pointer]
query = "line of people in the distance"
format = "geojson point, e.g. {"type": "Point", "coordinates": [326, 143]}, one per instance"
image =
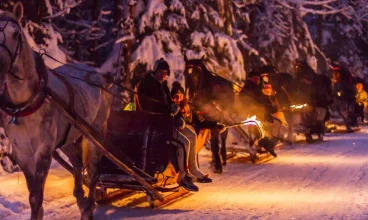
{"type": "Point", "coordinates": [264, 87]}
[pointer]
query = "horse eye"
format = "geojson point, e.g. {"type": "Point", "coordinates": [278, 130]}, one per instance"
{"type": "Point", "coordinates": [16, 34]}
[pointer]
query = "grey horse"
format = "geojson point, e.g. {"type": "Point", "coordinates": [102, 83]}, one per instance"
{"type": "Point", "coordinates": [35, 127]}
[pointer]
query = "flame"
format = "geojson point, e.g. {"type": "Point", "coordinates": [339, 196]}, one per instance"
{"type": "Point", "coordinates": [253, 121]}
{"type": "Point", "coordinates": [299, 106]}
{"type": "Point", "coordinates": [338, 93]}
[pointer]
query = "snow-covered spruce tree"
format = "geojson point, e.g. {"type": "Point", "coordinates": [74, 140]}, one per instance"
{"type": "Point", "coordinates": [278, 35]}
{"type": "Point", "coordinates": [38, 31]}
{"type": "Point", "coordinates": [343, 36]}
{"type": "Point", "coordinates": [170, 28]}
{"type": "Point", "coordinates": [69, 30]}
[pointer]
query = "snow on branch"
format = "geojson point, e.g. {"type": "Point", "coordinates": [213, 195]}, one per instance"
{"type": "Point", "coordinates": [318, 3]}
{"type": "Point", "coordinates": [152, 18]}
{"type": "Point", "coordinates": [124, 38]}
{"type": "Point", "coordinates": [48, 6]}
{"type": "Point", "coordinates": [324, 12]}
{"type": "Point", "coordinates": [302, 6]}
{"type": "Point", "coordinates": [215, 17]}
{"type": "Point", "coordinates": [66, 10]}
{"type": "Point", "coordinates": [177, 21]}
{"type": "Point", "coordinates": [176, 5]}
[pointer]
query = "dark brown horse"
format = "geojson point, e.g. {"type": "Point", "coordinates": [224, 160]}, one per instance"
{"type": "Point", "coordinates": [214, 96]}
{"type": "Point", "coordinates": [315, 90]}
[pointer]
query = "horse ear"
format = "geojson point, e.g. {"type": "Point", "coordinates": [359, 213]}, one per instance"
{"type": "Point", "coordinates": [202, 58]}
{"type": "Point", "coordinates": [185, 58]}
{"type": "Point", "coordinates": [18, 11]}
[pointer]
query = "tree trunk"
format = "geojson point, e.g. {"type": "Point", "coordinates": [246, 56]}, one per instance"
{"type": "Point", "coordinates": [221, 8]}
{"type": "Point", "coordinates": [225, 10]}
{"type": "Point", "coordinates": [118, 12]}
{"type": "Point", "coordinates": [94, 14]}
{"type": "Point", "coordinates": [128, 30]}
{"type": "Point", "coordinates": [229, 19]}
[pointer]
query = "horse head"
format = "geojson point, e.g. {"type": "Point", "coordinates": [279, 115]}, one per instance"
{"type": "Point", "coordinates": [194, 74]}
{"type": "Point", "coordinates": [11, 41]}
{"type": "Point", "coordinates": [18, 74]}
{"type": "Point", "coordinates": [340, 74]}
{"type": "Point", "coordinates": [302, 69]}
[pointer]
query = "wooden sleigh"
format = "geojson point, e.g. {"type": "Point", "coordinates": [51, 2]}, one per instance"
{"type": "Point", "coordinates": [138, 154]}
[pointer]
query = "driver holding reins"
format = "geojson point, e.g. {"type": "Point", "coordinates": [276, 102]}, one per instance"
{"type": "Point", "coordinates": [154, 86]}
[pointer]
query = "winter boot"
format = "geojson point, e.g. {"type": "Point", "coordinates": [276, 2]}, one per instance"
{"type": "Point", "coordinates": [269, 145]}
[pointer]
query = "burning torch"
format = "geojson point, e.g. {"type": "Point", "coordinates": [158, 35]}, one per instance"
{"type": "Point", "coordinates": [249, 121]}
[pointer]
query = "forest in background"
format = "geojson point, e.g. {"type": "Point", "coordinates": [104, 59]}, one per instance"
{"type": "Point", "coordinates": [235, 36]}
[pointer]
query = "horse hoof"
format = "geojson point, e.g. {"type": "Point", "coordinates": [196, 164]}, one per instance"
{"type": "Point", "coordinates": [253, 158]}
{"type": "Point", "coordinates": [82, 204]}
{"type": "Point", "coordinates": [87, 215]}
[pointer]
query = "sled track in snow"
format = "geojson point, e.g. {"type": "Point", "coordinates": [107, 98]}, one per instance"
{"type": "Point", "coordinates": [317, 181]}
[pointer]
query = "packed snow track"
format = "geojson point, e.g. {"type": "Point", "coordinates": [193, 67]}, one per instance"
{"type": "Point", "coordinates": [317, 181]}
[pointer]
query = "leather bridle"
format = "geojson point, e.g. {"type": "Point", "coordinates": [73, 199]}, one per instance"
{"type": "Point", "coordinates": [200, 83]}
{"type": "Point", "coordinates": [3, 45]}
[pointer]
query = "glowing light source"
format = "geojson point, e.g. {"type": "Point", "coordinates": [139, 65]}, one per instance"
{"type": "Point", "coordinates": [253, 121]}
{"type": "Point", "coordinates": [298, 106]}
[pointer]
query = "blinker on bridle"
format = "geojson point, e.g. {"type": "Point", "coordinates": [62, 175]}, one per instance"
{"type": "Point", "coordinates": [18, 48]}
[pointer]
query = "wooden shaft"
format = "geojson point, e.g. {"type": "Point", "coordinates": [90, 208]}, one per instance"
{"type": "Point", "coordinates": [99, 141]}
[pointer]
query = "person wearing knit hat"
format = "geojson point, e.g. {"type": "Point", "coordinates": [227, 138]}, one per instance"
{"type": "Point", "coordinates": [161, 70]}
{"type": "Point", "coordinates": [153, 95]}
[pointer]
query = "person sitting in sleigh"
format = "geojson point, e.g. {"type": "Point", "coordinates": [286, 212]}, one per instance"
{"type": "Point", "coordinates": [153, 95]}
{"type": "Point", "coordinates": [194, 122]}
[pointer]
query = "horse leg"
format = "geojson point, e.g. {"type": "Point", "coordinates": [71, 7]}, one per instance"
{"type": "Point", "coordinates": [215, 150]}
{"type": "Point", "coordinates": [35, 173]}
{"type": "Point", "coordinates": [290, 128]}
{"type": "Point", "coordinates": [346, 120]}
{"type": "Point", "coordinates": [73, 153]}
{"type": "Point", "coordinates": [91, 159]}
{"type": "Point", "coordinates": [223, 136]}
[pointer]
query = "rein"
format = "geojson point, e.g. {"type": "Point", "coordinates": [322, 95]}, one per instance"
{"type": "Point", "coordinates": [99, 86]}
{"type": "Point", "coordinates": [18, 49]}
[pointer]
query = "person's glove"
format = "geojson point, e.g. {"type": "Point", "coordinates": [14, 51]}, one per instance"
{"type": "Point", "coordinates": [174, 109]}
{"type": "Point", "coordinates": [221, 127]}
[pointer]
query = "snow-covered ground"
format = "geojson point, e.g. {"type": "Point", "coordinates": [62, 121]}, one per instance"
{"type": "Point", "coordinates": [318, 181]}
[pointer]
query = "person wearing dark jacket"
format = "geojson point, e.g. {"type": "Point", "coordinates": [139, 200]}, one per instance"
{"type": "Point", "coordinates": [344, 96]}
{"type": "Point", "coordinates": [153, 95]}
{"type": "Point", "coordinates": [194, 122]}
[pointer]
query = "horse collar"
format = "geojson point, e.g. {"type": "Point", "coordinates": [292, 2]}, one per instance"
{"type": "Point", "coordinates": [33, 103]}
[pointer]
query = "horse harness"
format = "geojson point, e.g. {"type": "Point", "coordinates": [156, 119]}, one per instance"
{"type": "Point", "coordinates": [19, 44]}
{"type": "Point", "coordinates": [38, 98]}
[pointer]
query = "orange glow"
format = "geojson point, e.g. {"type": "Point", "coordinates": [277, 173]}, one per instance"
{"type": "Point", "coordinates": [253, 121]}
{"type": "Point", "coordinates": [298, 106]}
